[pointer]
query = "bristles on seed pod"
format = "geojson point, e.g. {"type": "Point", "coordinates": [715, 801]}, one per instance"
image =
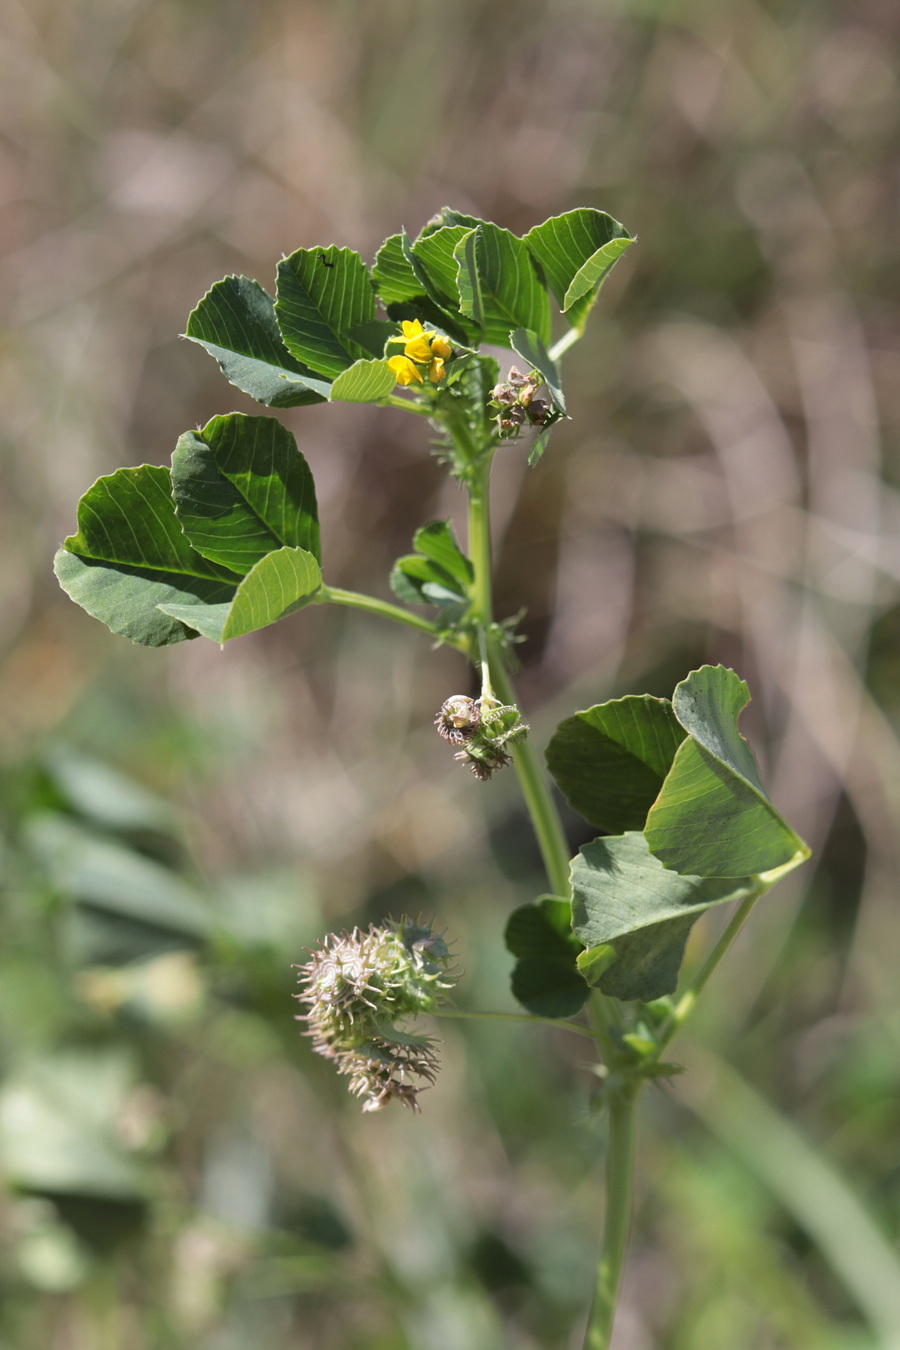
{"type": "Point", "coordinates": [356, 987]}
{"type": "Point", "coordinates": [458, 719]}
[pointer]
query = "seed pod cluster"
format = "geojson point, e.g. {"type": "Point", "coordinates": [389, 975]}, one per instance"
{"type": "Point", "coordinates": [515, 404]}
{"type": "Point", "coordinates": [484, 728]}
{"type": "Point", "coordinates": [357, 986]}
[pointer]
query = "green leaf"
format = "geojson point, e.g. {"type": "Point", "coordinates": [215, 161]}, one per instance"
{"type": "Point", "coordinates": [418, 581]}
{"type": "Point", "coordinates": [447, 216]}
{"type": "Point", "coordinates": [235, 321]}
{"type": "Point", "coordinates": [529, 346]}
{"type": "Point", "coordinates": [538, 446]}
{"type": "Point", "coordinates": [242, 489]}
{"type": "Point", "coordinates": [441, 294]}
{"type": "Point", "coordinates": [439, 573]}
{"type": "Point", "coordinates": [60, 1119]}
{"type": "Point", "coordinates": [623, 896]}
{"type": "Point", "coordinates": [498, 285]}
{"type": "Point", "coordinates": [610, 761]}
{"type": "Point", "coordinates": [545, 979]}
{"type": "Point", "coordinates": [130, 555]}
{"type": "Point", "coordinates": [322, 294]}
{"type": "Point", "coordinates": [437, 266]}
{"type": "Point", "coordinates": [576, 251]}
{"type": "Point", "coordinates": [437, 541]}
{"type": "Point", "coordinates": [103, 874]}
{"type": "Point", "coordinates": [373, 335]}
{"type": "Point", "coordinates": [279, 584]}
{"type": "Point", "coordinates": [392, 275]}
{"type": "Point", "coordinates": [364, 382]}
{"type": "Point", "coordinates": [592, 962]}
{"type": "Point", "coordinates": [712, 817]}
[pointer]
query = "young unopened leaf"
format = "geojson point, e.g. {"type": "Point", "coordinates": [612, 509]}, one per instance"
{"type": "Point", "coordinates": [624, 897]}
{"type": "Point", "coordinates": [323, 293]}
{"type": "Point", "coordinates": [279, 584]}
{"type": "Point", "coordinates": [610, 760]}
{"type": "Point", "coordinates": [130, 555]}
{"type": "Point", "coordinates": [242, 489]}
{"type": "Point", "coordinates": [498, 285]}
{"type": "Point", "coordinates": [712, 817]}
{"type": "Point", "coordinates": [576, 252]}
{"type": "Point", "coordinates": [235, 321]}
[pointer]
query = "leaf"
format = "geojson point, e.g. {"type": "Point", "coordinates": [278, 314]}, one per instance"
{"type": "Point", "coordinates": [539, 445]}
{"type": "Point", "coordinates": [447, 216]}
{"type": "Point", "coordinates": [576, 252]}
{"type": "Point", "coordinates": [373, 335]}
{"type": "Point", "coordinates": [130, 555]}
{"type": "Point", "coordinates": [529, 346]}
{"type": "Point", "coordinates": [438, 265]}
{"type": "Point", "coordinates": [60, 1115]}
{"type": "Point", "coordinates": [623, 896]}
{"type": "Point", "coordinates": [364, 382]}
{"type": "Point", "coordinates": [439, 573]}
{"type": "Point", "coordinates": [242, 489]}
{"type": "Point", "coordinates": [437, 541]}
{"type": "Point", "coordinates": [498, 285]}
{"type": "Point", "coordinates": [419, 581]}
{"type": "Point", "coordinates": [610, 761]}
{"type": "Point", "coordinates": [712, 817]}
{"type": "Point", "coordinates": [235, 321]}
{"type": "Point", "coordinates": [545, 979]}
{"type": "Point", "coordinates": [392, 274]}
{"type": "Point", "coordinates": [103, 874]}
{"type": "Point", "coordinates": [322, 294]}
{"type": "Point", "coordinates": [279, 584]}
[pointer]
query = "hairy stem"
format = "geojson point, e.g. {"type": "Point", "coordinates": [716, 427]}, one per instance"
{"type": "Point", "coordinates": [480, 541]}
{"type": "Point", "coordinates": [619, 1176]}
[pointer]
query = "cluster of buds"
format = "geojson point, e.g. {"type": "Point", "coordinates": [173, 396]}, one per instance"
{"type": "Point", "coordinates": [423, 352]}
{"type": "Point", "coordinates": [357, 986]}
{"type": "Point", "coordinates": [515, 404]}
{"type": "Point", "coordinates": [484, 728]}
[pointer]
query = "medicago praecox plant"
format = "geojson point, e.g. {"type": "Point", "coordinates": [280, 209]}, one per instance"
{"type": "Point", "coordinates": [227, 542]}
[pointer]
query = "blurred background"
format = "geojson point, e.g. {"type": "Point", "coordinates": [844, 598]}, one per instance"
{"type": "Point", "coordinates": [178, 825]}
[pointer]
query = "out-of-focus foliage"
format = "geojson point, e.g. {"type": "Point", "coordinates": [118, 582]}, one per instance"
{"type": "Point", "coordinates": [180, 1173]}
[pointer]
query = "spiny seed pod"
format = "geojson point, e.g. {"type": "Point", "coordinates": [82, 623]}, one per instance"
{"type": "Point", "coordinates": [489, 728]}
{"type": "Point", "coordinates": [356, 987]}
{"type": "Point", "coordinates": [458, 719]}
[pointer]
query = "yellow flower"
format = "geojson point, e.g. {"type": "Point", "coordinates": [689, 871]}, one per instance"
{"type": "Point", "coordinates": [436, 370]}
{"type": "Point", "coordinates": [422, 345]}
{"type": "Point", "coordinates": [404, 370]}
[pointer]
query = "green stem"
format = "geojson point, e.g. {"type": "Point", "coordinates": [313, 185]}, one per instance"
{"type": "Point", "coordinates": [536, 791]}
{"type": "Point", "coordinates": [686, 1003]}
{"type": "Point", "coordinates": [408, 405]}
{"type": "Point", "coordinates": [565, 342]}
{"type": "Point", "coordinates": [619, 1177]}
{"type": "Point", "coordinates": [335, 596]}
{"type": "Point", "coordinates": [480, 541]}
{"type": "Point", "coordinates": [516, 1017]}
